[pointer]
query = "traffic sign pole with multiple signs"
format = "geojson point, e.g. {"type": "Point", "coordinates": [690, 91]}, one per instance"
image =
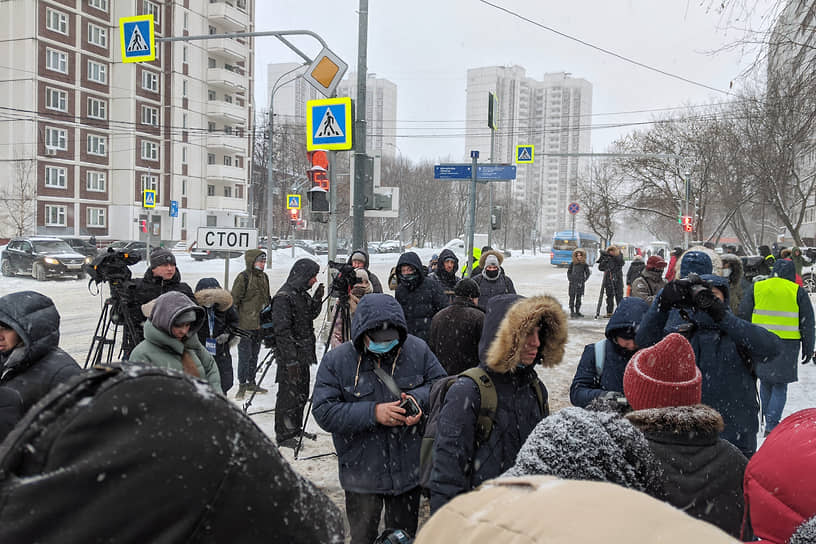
{"type": "Point", "coordinates": [328, 124]}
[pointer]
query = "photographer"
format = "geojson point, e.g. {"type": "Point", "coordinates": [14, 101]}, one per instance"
{"type": "Point", "coordinates": [726, 349]}
{"type": "Point", "coordinates": [376, 438]}
{"type": "Point", "coordinates": [611, 264]}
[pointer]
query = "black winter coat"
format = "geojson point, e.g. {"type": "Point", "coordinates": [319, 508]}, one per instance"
{"type": "Point", "coordinates": [420, 298]}
{"type": "Point", "coordinates": [372, 277]}
{"type": "Point", "coordinates": [148, 288]}
{"type": "Point", "coordinates": [702, 474]}
{"type": "Point", "coordinates": [455, 333]}
{"type": "Point", "coordinates": [38, 365]}
{"type": "Point", "coordinates": [488, 288]}
{"type": "Point", "coordinates": [635, 268]}
{"type": "Point", "coordinates": [612, 266]}
{"type": "Point", "coordinates": [221, 316]}
{"type": "Point", "coordinates": [577, 275]}
{"type": "Point", "coordinates": [293, 314]}
{"type": "Point", "coordinates": [447, 280]}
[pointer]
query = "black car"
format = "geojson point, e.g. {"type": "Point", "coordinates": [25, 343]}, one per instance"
{"type": "Point", "coordinates": [199, 254]}
{"type": "Point", "coordinates": [81, 246]}
{"type": "Point", "coordinates": [42, 257]}
{"type": "Point", "coordinates": [134, 247]}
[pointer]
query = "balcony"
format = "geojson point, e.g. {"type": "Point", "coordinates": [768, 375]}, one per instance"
{"type": "Point", "coordinates": [226, 203]}
{"type": "Point", "coordinates": [227, 47]}
{"type": "Point", "coordinates": [226, 79]}
{"type": "Point", "coordinates": [231, 113]}
{"type": "Point", "coordinates": [228, 142]}
{"type": "Point", "coordinates": [232, 174]}
{"type": "Point", "coordinates": [229, 17]}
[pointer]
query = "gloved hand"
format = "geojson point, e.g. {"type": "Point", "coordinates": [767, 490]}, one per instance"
{"type": "Point", "coordinates": [716, 309]}
{"type": "Point", "coordinates": [293, 371]}
{"type": "Point", "coordinates": [222, 338]}
{"type": "Point", "coordinates": [614, 395]}
{"type": "Point", "coordinates": [672, 295]}
{"type": "Point", "coordinates": [807, 358]}
{"type": "Point", "coordinates": [319, 292]}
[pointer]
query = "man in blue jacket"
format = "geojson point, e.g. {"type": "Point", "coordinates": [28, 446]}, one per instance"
{"type": "Point", "coordinates": [518, 332]}
{"type": "Point", "coordinates": [779, 305]}
{"type": "Point", "coordinates": [376, 440]}
{"type": "Point", "coordinates": [726, 348]}
{"type": "Point", "coordinates": [617, 349]}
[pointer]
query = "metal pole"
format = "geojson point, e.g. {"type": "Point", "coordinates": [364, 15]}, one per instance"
{"type": "Point", "coordinates": [332, 238]}
{"type": "Point", "coordinates": [687, 193]}
{"type": "Point", "coordinates": [358, 228]}
{"type": "Point", "coordinates": [471, 221]}
{"type": "Point", "coordinates": [490, 191]}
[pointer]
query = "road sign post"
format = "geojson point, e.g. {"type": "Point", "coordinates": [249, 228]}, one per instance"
{"type": "Point", "coordinates": [573, 209]}
{"type": "Point", "coordinates": [328, 124]}
{"type": "Point", "coordinates": [525, 154]}
{"type": "Point", "coordinates": [138, 38]}
{"type": "Point", "coordinates": [226, 239]}
{"type": "Point", "coordinates": [471, 222]}
{"type": "Point", "coordinates": [149, 198]}
{"type": "Point", "coordinates": [293, 202]}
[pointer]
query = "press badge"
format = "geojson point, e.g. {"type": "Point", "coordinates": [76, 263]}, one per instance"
{"type": "Point", "coordinates": [210, 344]}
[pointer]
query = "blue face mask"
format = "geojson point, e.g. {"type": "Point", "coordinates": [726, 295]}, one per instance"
{"type": "Point", "coordinates": [382, 347]}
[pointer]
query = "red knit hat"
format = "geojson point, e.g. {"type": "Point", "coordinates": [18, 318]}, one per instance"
{"type": "Point", "coordinates": [655, 262]}
{"type": "Point", "coordinates": [663, 375]}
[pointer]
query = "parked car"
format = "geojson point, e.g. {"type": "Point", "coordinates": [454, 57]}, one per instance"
{"type": "Point", "coordinates": [81, 246]}
{"type": "Point", "coordinates": [133, 247]}
{"type": "Point", "coordinates": [42, 257]}
{"type": "Point", "coordinates": [321, 248]}
{"type": "Point", "coordinates": [390, 246]}
{"type": "Point", "coordinates": [305, 245]}
{"type": "Point", "coordinates": [199, 254]}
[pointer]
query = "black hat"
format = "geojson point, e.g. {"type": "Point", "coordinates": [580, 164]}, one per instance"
{"type": "Point", "coordinates": [466, 288]}
{"type": "Point", "coordinates": [161, 256]}
{"type": "Point", "coordinates": [384, 333]}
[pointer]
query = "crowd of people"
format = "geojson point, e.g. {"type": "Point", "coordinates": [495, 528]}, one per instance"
{"type": "Point", "coordinates": [434, 391]}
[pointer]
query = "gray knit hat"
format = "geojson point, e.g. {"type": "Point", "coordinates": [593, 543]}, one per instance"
{"type": "Point", "coordinates": [160, 256]}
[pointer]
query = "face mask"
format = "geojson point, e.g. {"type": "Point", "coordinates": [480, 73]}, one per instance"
{"type": "Point", "coordinates": [408, 277]}
{"type": "Point", "coordinates": [726, 272]}
{"type": "Point", "coordinates": [382, 347]}
{"type": "Point", "coordinates": [259, 265]}
{"type": "Point", "coordinates": [492, 274]}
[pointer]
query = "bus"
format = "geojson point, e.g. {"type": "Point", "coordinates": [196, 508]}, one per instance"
{"type": "Point", "coordinates": [564, 242]}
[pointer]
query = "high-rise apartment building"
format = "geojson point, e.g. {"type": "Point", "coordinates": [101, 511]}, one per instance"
{"type": "Point", "coordinates": [381, 112]}
{"type": "Point", "coordinates": [92, 133]}
{"type": "Point", "coordinates": [552, 114]}
{"type": "Point", "coordinates": [291, 92]}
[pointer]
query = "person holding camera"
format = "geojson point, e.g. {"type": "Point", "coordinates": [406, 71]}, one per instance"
{"type": "Point", "coordinates": [359, 260]}
{"type": "Point", "coordinates": [611, 264]}
{"type": "Point", "coordinates": [293, 313]}
{"type": "Point", "coordinates": [357, 290]}
{"type": "Point", "coordinates": [726, 347]}
{"type": "Point", "coordinates": [250, 294]}
{"type": "Point", "coordinates": [370, 394]}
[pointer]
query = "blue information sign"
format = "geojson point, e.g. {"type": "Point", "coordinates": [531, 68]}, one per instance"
{"type": "Point", "coordinates": [452, 171]}
{"type": "Point", "coordinates": [174, 208]}
{"type": "Point", "coordinates": [495, 172]}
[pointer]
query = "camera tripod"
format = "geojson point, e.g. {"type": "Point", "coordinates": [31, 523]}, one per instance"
{"type": "Point", "coordinates": [114, 314]}
{"type": "Point", "coordinates": [264, 365]}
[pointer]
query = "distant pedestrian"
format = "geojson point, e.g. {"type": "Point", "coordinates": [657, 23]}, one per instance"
{"type": "Point", "coordinates": [732, 269]}
{"type": "Point", "coordinates": [799, 260]}
{"type": "Point", "coordinates": [635, 268]}
{"type": "Point", "coordinates": [768, 260]}
{"type": "Point", "coordinates": [250, 294]}
{"type": "Point", "coordinates": [611, 264]}
{"type": "Point", "coordinates": [492, 280]}
{"type": "Point", "coordinates": [456, 330]}
{"type": "Point", "coordinates": [671, 268]}
{"type": "Point", "coordinates": [578, 273]}
{"type": "Point", "coordinates": [648, 284]}
{"type": "Point", "coordinates": [358, 290]}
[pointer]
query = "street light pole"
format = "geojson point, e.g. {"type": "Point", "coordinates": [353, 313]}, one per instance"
{"type": "Point", "coordinates": [358, 228]}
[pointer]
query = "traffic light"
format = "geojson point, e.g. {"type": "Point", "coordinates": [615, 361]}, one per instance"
{"type": "Point", "coordinates": [318, 171]}
{"type": "Point", "coordinates": [686, 222]}
{"type": "Point", "coordinates": [294, 214]}
{"type": "Point", "coordinates": [143, 225]}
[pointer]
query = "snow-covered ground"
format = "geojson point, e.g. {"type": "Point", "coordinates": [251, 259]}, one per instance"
{"type": "Point", "coordinates": [80, 311]}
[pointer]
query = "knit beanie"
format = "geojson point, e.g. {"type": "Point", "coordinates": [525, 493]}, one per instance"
{"type": "Point", "coordinates": [362, 275]}
{"type": "Point", "coordinates": [491, 260]}
{"type": "Point", "coordinates": [357, 256]}
{"type": "Point", "coordinates": [161, 256]}
{"type": "Point", "coordinates": [663, 375]}
{"type": "Point", "coordinates": [466, 288]}
{"type": "Point", "coordinates": [655, 263]}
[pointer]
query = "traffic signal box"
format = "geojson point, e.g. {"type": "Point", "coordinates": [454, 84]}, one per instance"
{"type": "Point", "coordinates": [143, 225]}
{"type": "Point", "coordinates": [686, 222]}
{"type": "Point", "coordinates": [294, 214]}
{"type": "Point", "coordinates": [318, 173]}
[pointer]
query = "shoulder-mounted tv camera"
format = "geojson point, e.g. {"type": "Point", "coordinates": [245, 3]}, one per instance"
{"type": "Point", "coordinates": [111, 266]}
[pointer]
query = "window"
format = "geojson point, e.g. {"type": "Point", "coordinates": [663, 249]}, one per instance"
{"type": "Point", "coordinates": [228, 191]}
{"type": "Point", "coordinates": [150, 81]}
{"type": "Point", "coordinates": [150, 150]}
{"type": "Point", "coordinates": [150, 183]}
{"type": "Point", "coordinates": [99, 4]}
{"type": "Point", "coordinates": [184, 88]}
{"type": "Point", "coordinates": [212, 221]}
{"type": "Point", "coordinates": [56, 21]}
{"type": "Point", "coordinates": [97, 109]}
{"type": "Point", "coordinates": [184, 220]}
{"type": "Point", "coordinates": [213, 30]}
{"type": "Point", "coordinates": [55, 216]}
{"type": "Point", "coordinates": [56, 99]}
{"type": "Point", "coordinates": [228, 98]}
{"type": "Point", "coordinates": [186, 21]}
{"type": "Point", "coordinates": [56, 61]}
{"type": "Point", "coordinates": [183, 120]}
{"type": "Point", "coordinates": [210, 126]}
{"type": "Point", "coordinates": [184, 54]}
{"type": "Point", "coordinates": [97, 145]}
{"type": "Point", "coordinates": [184, 155]}
{"type": "Point", "coordinates": [184, 187]}
{"type": "Point", "coordinates": [239, 191]}
{"type": "Point", "coordinates": [210, 158]}
{"type": "Point", "coordinates": [227, 130]}
{"type": "Point", "coordinates": [95, 181]}
{"type": "Point", "coordinates": [151, 8]}
{"type": "Point", "coordinates": [97, 35]}
{"type": "Point", "coordinates": [210, 62]}
{"type": "Point", "coordinates": [150, 116]}
{"type": "Point", "coordinates": [227, 160]}
{"type": "Point", "coordinates": [56, 138]}
{"type": "Point", "coordinates": [210, 95]}
{"type": "Point", "coordinates": [97, 72]}
{"type": "Point", "coordinates": [210, 190]}
{"type": "Point", "coordinates": [55, 177]}
{"type": "Point", "coordinates": [96, 217]}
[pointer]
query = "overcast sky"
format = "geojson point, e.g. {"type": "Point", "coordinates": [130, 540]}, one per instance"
{"type": "Point", "coordinates": [426, 47]}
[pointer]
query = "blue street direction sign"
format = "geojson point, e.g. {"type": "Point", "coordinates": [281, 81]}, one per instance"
{"type": "Point", "coordinates": [452, 171]}
{"type": "Point", "coordinates": [484, 172]}
{"type": "Point", "coordinates": [328, 124]}
{"type": "Point", "coordinates": [149, 198]}
{"type": "Point", "coordinates": [138, 38]}
{"type": "Point", "coordinates": [174, 208]}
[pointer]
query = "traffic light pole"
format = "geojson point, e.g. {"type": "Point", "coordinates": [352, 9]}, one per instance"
{"type": "Point", "coordinates": [471, 220]}
{"type": "Point", "coordinates": [358, 226]}
{"type": "Point", "coordinates": [490, 191]}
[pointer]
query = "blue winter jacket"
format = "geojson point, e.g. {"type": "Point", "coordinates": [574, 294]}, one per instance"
{"type": "Point", "coordinates": [783, 368]}
{"type": "Point", "coordinates": [374, 458]}
{"type": "Point", "coordinates": [458, 465]}
{"type": "Point", "coordinates": [586, 385]}
{"type": "Point", "coordinates": [420, 297]}
{"type": "Point", "coordinates": [729, 385]}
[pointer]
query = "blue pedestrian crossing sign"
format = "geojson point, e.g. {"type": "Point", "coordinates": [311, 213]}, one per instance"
{"type": "Point", "coordinates": [138, 38]}
{"type": "Point", "coordinates": [525, 154]}
{"type": "Point", "coordinates": [292, 202]}
{"type": "Point", "coordinates": [174, 208]}
{"type": "Point", "coordinates": [149, 198]}
{"type": "Point", "coordinates": [328, 124]}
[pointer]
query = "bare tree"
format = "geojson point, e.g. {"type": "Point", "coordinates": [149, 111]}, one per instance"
{"type": "Point", "coordinates": [19, 197]}
{"type": "Point", "coordinates": [599, 193]}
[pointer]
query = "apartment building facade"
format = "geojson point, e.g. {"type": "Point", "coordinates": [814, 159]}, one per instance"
{"type": "Point", "coordinates": [88, 133]}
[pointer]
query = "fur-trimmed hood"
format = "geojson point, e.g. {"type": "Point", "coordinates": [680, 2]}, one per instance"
{"type": "Point", "coordinates": [576, 252]}
{"type": "Point", "coordinates": [498, 255]}
{"type": "Point", "coordinates": [508, 321]}
{"type": "Point", "coordinates": [216, 297]}
{"type": "Point", "coordinates": [698, 418]}
{"type": "Point", "coordinates": [736, 266]}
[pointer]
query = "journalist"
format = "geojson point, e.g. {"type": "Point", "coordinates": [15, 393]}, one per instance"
{"type": "Point", "coordinates": [726, 348]}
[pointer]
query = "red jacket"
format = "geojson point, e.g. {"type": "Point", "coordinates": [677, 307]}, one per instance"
{"type": "Point", "coordinates": [780, 480]}
{"type": "Point", "coordinates": [670, 271]}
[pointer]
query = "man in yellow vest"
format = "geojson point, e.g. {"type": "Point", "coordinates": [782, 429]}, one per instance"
{"type": "Point", "coordinates": [779, 305]}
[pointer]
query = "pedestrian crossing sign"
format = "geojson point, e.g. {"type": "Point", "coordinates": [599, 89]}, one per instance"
{"type": "Point", "coordinates": [525, 154]}
{"type": "Point", "coordinates": [292, 202]}
{"type": "Point", "coordinates": [138, 38]}
{"type": "Point", "coordinates": [328, 124]}
{"type": "Point", "coordinates": [149, 198]}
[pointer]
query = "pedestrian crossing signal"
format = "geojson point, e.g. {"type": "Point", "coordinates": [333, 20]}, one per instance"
{"type": "Point", "coordinates": [143, 225]}
{"type": "Point", "coordinates": [686, 222]}
{"type": "Point", "coordinates": [294, 214]}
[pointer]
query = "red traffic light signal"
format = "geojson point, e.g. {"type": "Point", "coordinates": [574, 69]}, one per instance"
{"type": "Point", "coordinates": [318, 171]}
{"type": "Point", "coordinates": [688, 228]}
{"type": "Point", "coordinates": [294, 214]}
{"type": "Point", "coordinates": [143, 225]}
{"type": "Point", "coordinates": [686, 222]}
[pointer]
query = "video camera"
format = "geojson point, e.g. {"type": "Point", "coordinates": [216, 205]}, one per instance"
{"type": "Point", "coordinates": [343, 278]}
{"type": "Point", "coordinates": [111, 266]}
{"type": "Point", "coordinates": [698, 292]}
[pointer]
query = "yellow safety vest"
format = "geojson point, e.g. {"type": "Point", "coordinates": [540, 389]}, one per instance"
{"type": "Point", "coordinates": [775, 307]}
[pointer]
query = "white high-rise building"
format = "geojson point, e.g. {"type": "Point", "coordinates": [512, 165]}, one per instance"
{"type": "Point", "coordinates": [381, 112]}
{"type": "Point", "coordinates": [552, 114]}
{"type": "Point", "coordinates": [97, 132]}
{"type": "Point", "coordinates": [291, 92]}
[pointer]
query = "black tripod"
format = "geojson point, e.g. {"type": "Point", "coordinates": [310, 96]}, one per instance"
{"type": "Point", "coordinates": [265, 364]}
{"type": "Point", "coordinates": [601, 295]}
{"type": "Point", "coordinates": [114, 314]}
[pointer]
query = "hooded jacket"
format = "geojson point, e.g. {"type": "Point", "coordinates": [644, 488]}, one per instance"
{"type": "Point", "coordinates": [635, 268]}
{"type": "Point", "coordinates": [152, 456]}
{"type": "Point", "coordinates": [376, 286]}
{"type": "Point", "coordinates": [221, 319]}
{"type": "Point", "coordinates": [293, 315]}
{"type": "Point", "coordinates": [799, 260]}
{"type": "Point", "coordinates": [508, 321]}
{"type": "Point", "coordinates": [37, 365]}
{"type": "Point", "coordinates": [578, 272]}
{"type": "Point", "coordinates": [148, 288]}
{"type": "Point", "coordinates": [784, 367]}
{"type": "Point", "coordinates": [374, 458]}
{"type": "Point", "coordinates": [490, 287]}
{"type": "Point", "coordinates": [726, 352]}
{"type": "Point", "coordinates": [701, 473]}
{"type": "Point", "coordinates": [779, 487]}
{"type": "Point", "coordinates": [648, 284]}
{"type": "Point", "coordinates": [446, 279]}
{"type": "Point", "coordinates": [455, 333]}
{"type": "Point", "coordinates": [250, 292]}
{"type": "Point", "coordinates": [160, 348]}
{"type": "Point", "coordinates": [735, 290]}
{"type": "Point", "coordinates": [587, 385]}
{"type": "Point", "coordinates": [420, 299]}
